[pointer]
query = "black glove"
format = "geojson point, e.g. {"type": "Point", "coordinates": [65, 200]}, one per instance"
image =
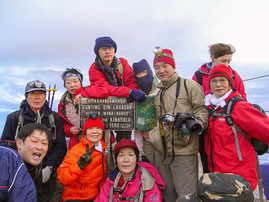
{"type": "Point", "coordinates": [85, 158]}
{"type": "Point", "coordinates": [137, 95]}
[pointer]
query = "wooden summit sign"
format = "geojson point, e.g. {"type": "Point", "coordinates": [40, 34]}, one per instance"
{"type": "Point", "coordinates": [115, 112]}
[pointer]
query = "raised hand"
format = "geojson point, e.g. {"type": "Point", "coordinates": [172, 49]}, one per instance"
{"type": "Point", "coordinates": [85, 158]}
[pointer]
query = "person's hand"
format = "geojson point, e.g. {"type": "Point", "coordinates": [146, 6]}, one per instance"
{"type": "Point", "coordinates": [85, 158]}
{"type": "Point", "coordinates": [137, 95]}
{"type": "Point", "coordinates": [75, 130]}
{"type": "Point", "coordinates": [46, 172]}
{"type": "Point", "coordinates": [77, 99]}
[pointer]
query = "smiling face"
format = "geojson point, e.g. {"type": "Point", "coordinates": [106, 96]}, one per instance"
{"type": "Point", "coordinates": [36, 99]}
{"type": "Point", "coordinates": [72, 83]}
{"type": "Point", "coordinates": [163, 71]}
{"type": "Point", "coordinates": [106, 54]}
{"type": "Point", "coordinates": [94, 135]}
{"type": "Point", "coordinates": [219, 86]}
{"type": "Point", "coordinates": [126, 161]}
{"type": "Point", "coordinates": [34, 148]}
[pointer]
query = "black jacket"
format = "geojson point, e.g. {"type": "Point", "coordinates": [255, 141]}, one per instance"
{"type": "Point", "coordinates": [57, 150]}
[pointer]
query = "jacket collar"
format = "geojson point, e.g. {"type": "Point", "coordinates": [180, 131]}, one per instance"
{"type": "Point", "coordinates": [169, 82]}
{"type": "Point", "coordinates": [84, 141]}
{"type": "Point", "coordinates": [30, 114]}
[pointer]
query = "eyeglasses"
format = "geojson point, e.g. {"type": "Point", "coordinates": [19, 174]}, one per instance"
{"type": "Point", "coordinates": [222, 81]}
{"type": "Point", "coordinates": [106, 48]}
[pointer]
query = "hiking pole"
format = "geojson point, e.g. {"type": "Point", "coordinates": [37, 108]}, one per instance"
{"type": "Point", "coordinates": [54, 89]}
{"type": "Point", "coordinates": [49, 96]}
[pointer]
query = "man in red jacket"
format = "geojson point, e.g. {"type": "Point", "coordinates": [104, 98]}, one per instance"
{"type": "Point", "coordinates": [115, 74]}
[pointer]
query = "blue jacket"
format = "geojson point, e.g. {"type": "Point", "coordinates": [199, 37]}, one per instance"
{"type": "Point", "coordinates": [16, 183]}
{"type": "Point", "coordinates": [57, 150]}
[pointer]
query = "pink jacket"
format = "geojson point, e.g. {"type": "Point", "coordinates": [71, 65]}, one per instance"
{"type": "Point", "coordinates": [131, 189]}
{"type": "Point", "coordinates": [205, 82]}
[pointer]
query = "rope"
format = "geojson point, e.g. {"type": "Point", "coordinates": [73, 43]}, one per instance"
{"type": "Point", "coordinates": [256, 77]}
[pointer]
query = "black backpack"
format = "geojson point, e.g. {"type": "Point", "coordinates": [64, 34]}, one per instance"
{"type": "Point", "coordinates": [259, 146]}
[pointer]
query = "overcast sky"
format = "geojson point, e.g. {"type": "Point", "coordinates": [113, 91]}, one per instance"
{"type": "Point", "coordinates": [40, 38]}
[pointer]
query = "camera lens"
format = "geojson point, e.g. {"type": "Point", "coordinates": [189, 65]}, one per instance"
{"type": "Point", "coordinates": [193, 126]}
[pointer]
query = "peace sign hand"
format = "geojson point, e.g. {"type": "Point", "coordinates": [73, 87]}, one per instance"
{"type": "Point", "coordinates": [85, 158]}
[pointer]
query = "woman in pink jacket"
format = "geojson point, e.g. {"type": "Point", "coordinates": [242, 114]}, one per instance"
{"type": "Point", "coordinates": [125, 182]}
{"type": "Point", "coordinates": [227, 151]}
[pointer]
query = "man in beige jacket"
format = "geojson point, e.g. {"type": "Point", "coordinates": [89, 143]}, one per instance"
{"type": "Point", "coordinates": [182, 116]}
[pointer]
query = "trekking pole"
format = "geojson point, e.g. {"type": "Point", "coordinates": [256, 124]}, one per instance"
{"type": "Point", "coordinates": [49, 96]}
{"type": "Point", "coordinates": [54, 89]}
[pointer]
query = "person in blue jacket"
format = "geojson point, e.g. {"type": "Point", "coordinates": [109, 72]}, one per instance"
{"type": "Point", "coordinates": [16, 183]}
{"type": "Point", "coordinates": [36, 109]}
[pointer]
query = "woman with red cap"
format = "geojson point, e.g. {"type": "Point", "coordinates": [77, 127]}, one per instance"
{"type": "Point", "coordinates": [83, 171]}
{"type": "Point", "coordinates": [131, 180]}
{"type": "Point", "coordinates": [229, 151]}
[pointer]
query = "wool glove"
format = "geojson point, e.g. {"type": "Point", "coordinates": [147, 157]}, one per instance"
{"type": "Point", "coordinates": [137, 95]}
{"type": "Point", "coordinates": [85, 158]}
{"type": "Point", "coordinates": [46, 172]}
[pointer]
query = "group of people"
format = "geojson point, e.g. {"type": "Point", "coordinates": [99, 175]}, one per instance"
{"type": "Point", "coordinates": [162, 162]}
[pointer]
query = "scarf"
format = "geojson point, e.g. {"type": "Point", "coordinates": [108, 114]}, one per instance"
{"type": "Point", "coordinates": [109, 72]}
{"type": "Point", "coordinates": [211, 99]}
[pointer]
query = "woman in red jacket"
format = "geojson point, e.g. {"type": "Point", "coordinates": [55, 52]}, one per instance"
{"type": "Point", "coordinates": [68, 106]}
{"type": "Point", "coordinates": [226, 151]}
{"type": "Point", "coordinates": [67, 109]}
{"type": "Point", "coordinates": [83, 170]}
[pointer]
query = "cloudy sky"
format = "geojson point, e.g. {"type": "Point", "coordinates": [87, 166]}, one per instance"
{"type": "Point", "coordinates": [40, 38]}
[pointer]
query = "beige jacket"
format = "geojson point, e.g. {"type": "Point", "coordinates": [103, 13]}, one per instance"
{"type": "Point", "coordinates": [191, 101]}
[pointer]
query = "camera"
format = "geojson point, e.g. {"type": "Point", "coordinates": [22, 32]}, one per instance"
{"type": "Point", "coordinates": [167, 118]}
{"type": "Point", "coordinates": [190, 121]}
{"type": "Point", "coordinates": [184, 121]}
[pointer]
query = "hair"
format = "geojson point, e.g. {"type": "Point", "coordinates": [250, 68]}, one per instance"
{"type": "Point", "coordinates": [136, 154]}
{"type": "Point", "coordinates": [72, 71]}
{"type": "Point", "coordinates": [28, 129]}
{"type": "Point", "coordinates": [220, 49]}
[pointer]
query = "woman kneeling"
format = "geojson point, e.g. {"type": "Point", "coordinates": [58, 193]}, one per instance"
{"type": "Point", "coordinates": [131, 180]}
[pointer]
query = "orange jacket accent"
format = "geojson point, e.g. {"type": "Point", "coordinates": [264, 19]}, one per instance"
{"type": "Point", "coordinates": [82, 184]}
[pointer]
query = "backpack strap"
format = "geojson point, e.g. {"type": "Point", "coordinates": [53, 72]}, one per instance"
{"type": "Point", "coordinates": [120, 69]}
{"type": "Point", "coordinates": [53, 126]}
{"type": "Point", "coordinates": [185, 86]}
{"type": "Point", "coordinates": [19, 124]}
{"type": "Point", "coordinates": [228, 118]}
{"type": "Point", "coordinates": [199, 76]}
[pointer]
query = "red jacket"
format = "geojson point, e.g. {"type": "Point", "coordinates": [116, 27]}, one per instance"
{"type": "Point", "coordinates": [98, 78]}
{"type": "Point", "coordinates": [67, 124]}
{"type": "Point", "coordinates": [93, 91]}
{"type": "Point", "coordinates": [220, 142]}
{"type": "Point", "coordinates": [82, 184]}
{"type": "Point", "coordinates": [205, 73]}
